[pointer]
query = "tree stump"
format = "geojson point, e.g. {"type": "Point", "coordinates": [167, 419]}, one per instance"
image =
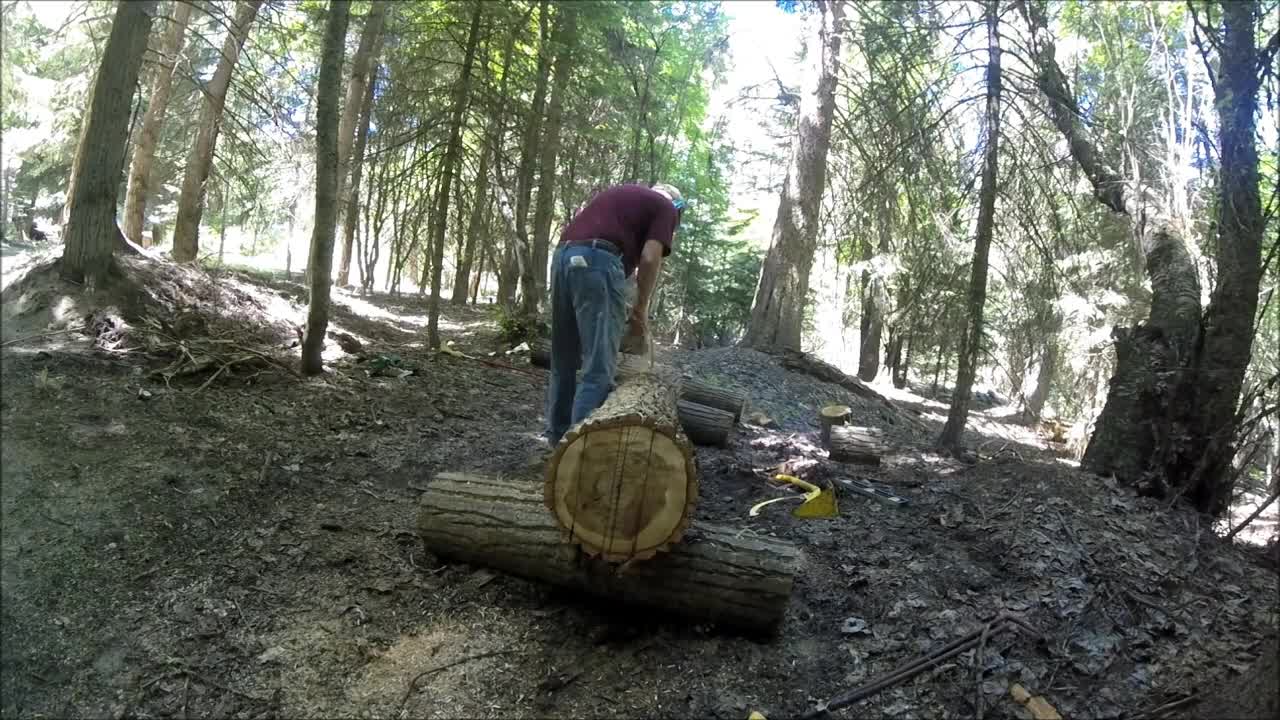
{"type": "Point", "coordinates": [722, 574]}
{"type": "Point", "coordinates": [832, 415]}
{"type": "Point", "coordinates": [622, 483]}
{"type": "Point", "coordinates": [849, 443]}
{"type": "Point", "coordinates": [704, 425]}
{"type": "Point", "coordinates": [713, 396]}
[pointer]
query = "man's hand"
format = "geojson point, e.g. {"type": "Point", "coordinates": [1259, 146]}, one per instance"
{"type": "Point", "coordinates": [636, 339]}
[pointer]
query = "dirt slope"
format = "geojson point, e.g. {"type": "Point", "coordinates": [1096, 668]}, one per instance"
{"type": "Point", "coordinates": [245, 548]}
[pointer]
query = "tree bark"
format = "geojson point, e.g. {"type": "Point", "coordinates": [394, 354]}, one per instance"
{"type": "Point", "coordinates": [725, 575]}
{"type": "Point", "coordinates": [777, 314]}
{"type": "Point", "coordinates": [91, 234]}
{"type": "Point", "coordinates": [852, 444]}
{"type": "Point", "coordinates": [529, 160]}
{"type": "Point", "coordinates": [186, 232]}
{"type": "Point", "coordinates": [460, 97]}
{"type": "Point", "coordinates": [874, 296]}
{"type": "Point", "coordinates": [1229, 323]}
{"type": "Point", "coordinates": [565, 42]}
{"type": "Point", "coordinates": [358, 101]}
{"type": "Point", "coordinates": [135, 203]}
{"type": "Point", "coordinates": [714, 396]}
{"type": "Point", "coordinates": [320, 263]}
{"type": "Point", "coordinates": [971, 341]}
{"type": "Point", "coordinates": [704, 425]}
{"type": "Point", "coordinates": [622, 482]}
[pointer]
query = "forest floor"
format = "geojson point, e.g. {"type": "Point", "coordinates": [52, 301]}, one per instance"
{"type": "Point", "coordinates": [245, 546]}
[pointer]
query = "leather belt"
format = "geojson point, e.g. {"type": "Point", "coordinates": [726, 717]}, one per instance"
{"type": "Point", "coordinates": [594, 243]}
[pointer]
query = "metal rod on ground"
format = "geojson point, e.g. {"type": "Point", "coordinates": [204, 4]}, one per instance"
{"type": "Point", "coordinates": [917, 666]}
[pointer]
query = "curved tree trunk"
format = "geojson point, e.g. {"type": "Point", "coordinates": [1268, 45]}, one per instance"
{"type": "Point", "coordinates": [564, 40]}
{"type": "Point", "coordinates": [91, 234]}
{"type": "Point", "coordinates": [320, 265]}
{"type": "Point", "coordinates": [135, 202]}
{"type": "Point", "coordinates": [359, 99]}
{"type": "Point", "coordinates": [452, 150]}
{"type": "Point", "coordinates": [971, 340]}
{"type": "Point", "coordinates": [186, 232]}
{"type": "Point", "coordinates": [777, 314]}
{"type": "Point", "coordinates": [1170, 414]}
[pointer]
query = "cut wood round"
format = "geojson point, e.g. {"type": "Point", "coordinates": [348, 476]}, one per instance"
{"type": "Point", "coordinates": [832, 415]}
{"type": "Point", "coordinates": [705, 393]}
{"type": "Point", "coordinates": [726, 575]}
{"type": "Point", "coordinates": [622, 483]}
{"type": "Point", "coordinates": [704, 425]}
{"type": "Point", "coordinates": [854, 444]}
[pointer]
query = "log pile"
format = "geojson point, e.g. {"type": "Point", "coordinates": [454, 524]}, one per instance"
{"type": "Point", "coordinates": [721, 574]}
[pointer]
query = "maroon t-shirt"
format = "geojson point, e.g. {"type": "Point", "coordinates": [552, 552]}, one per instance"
{"type": "Point", "coordinates": [627, 216]}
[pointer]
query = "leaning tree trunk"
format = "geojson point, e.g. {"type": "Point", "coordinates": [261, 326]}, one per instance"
{"type": "Point", "coordinates": [565, 36]}
{"type": "Point", "coordinates": [135, 202]}
{"type": "Point", "coordinates": [971, 341]}
{"type": "Point", "coordinates": [528, 166]}
{"type": "Point", "coordinates": [725, 575]}
{"type": "Point", "coordinates": [1168, 420]}
{"type": "Point", "coordinates": [320, 264]}
{"type": "Point", "coordinates": [186, 231]}
{"type": "Point", "coordinates": [359, 98]}
{"type": "Point", "coordinates": [91, 233]}
{"type": "Point", "coordinates": [452, 150]}
{"type": "Point", "coordinates": [777, 314]}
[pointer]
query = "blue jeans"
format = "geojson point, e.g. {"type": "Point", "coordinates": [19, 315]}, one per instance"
{"type": "Point", "coordinates": [588, 315]}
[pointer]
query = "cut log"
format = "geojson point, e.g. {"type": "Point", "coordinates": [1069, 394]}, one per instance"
{"type": "Point", "coordinates": [725, 575]}
{"type": "Point", "coordinates": [622, 482]}
{"type": "Point", "coordinates": [832, 415]}
{"type": "Point", "coordinates": [714, 396]}
{"type": "Point", "coordinates": [704, 425]}
{"type": "Point", "coordinates": [854, 444]}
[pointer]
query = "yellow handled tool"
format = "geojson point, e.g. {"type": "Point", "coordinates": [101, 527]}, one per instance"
{"type": "Point", "coordinates": [818, 502]}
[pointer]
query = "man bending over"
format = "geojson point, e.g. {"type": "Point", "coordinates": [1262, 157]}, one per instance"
{"type": "Point", "coordinates": [623, 230]}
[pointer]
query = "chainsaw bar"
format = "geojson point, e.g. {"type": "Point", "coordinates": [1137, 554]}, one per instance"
{"type": "Point", "coordinates": [866, 488]}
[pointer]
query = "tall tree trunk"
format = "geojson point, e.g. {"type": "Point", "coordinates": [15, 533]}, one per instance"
{"type": "Point", "coordinates": [135, 203]}
{"type": "Point", "coordinates": [1229, 323]}
{"type": "Point", "coordinates": [186, 232]}
{"type": "Point", "coordinates": [777, 314]}
{"type": "Point", "coordinates": [320, 263]}
{"type": "Point", "coordinates": [874, 294]}
{"type": "Point", "coordinates": [1169, 417]}
{"type": "Point", "coordinates": [222, 232]}
{"type": "Point", "coordinates": [971, 340]}
{"type": "Point", "coordinates": [352, 196]}
{"type": "Point", "coordinates": [565, 36]}
{"type": "Point", "coordinates": [458, 115]}
{"type": "Point", "coordinates": [91, 233]}
{"type": "Point", "coordinates": [494, 136]}
{"type": "Point", "coordinates": [529, 156]}
{"type": "Point", "coordinates": [359, 99]}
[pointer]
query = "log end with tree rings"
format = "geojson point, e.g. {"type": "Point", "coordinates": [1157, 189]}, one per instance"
{"type": "Point", "coordinates": [622, 484]}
